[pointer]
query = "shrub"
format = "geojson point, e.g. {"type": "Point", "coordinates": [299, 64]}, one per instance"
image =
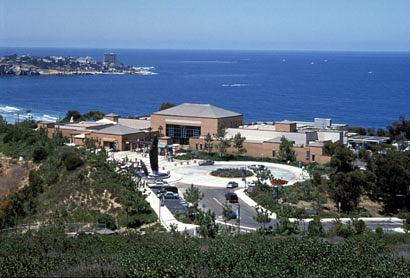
{"type": "Point", "coordinates": [108, 220]}
{"type": "Point", "coordinates": [315, 227]}
{"type": "Point", "coordinates": [231, 173]}
{"type": "Point", "coordinates": [379, 232]}
{"type": "Point", "coordinates": [72, 161]}
{"type": "Point", "coordinates": [39, 154]}
{"type": "Point", "coordinates": [359, 226]}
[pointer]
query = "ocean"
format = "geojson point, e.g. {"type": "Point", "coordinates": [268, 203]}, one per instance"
{"type": "Point", "coordinates": [360, 89]}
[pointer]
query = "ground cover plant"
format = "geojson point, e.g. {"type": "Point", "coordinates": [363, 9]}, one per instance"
{"type": "Point", "coordinates": [231, 173]}
{"type": "Point", "coordinates": [50, 253]}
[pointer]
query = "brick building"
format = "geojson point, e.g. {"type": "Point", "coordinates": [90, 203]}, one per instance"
{"type": "Point", "coordinates": [111, 132]}
{"type": "Point", "coordinates": [188, 120]}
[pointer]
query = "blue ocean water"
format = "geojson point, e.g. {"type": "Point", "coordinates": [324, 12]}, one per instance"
{"type": "Point", "coordinates": [366, 89]}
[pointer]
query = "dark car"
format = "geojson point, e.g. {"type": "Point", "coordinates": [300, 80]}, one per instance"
{"type": "Point", "coordinates": [232, 184]}
{"type": "Point", "coordinates": [164, 188]}
{"type": "Point", "coordinates": [231, 197]}
{"type": "Point", "coordinates": [230, 214]}
{"type": "Point", "coordinates": [170, 195]}
{"type": "Point", "coordinates": [206, 162]}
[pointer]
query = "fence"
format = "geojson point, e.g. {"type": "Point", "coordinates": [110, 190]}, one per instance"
{"type": "Point", "coordinates": [69, 228]}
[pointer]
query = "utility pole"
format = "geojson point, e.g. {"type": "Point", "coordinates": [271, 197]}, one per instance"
{"type": "Point", "coordinates": [159, 207]}
{"type": "Point", "coordinates": [239, 218]}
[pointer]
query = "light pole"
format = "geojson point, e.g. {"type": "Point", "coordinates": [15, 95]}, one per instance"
{"type": "Point", "coordinates": [244, 176]}
{"type": "Point", "coordinates": [239, 218]}
{"type": "Point", "coordinates": [159, 207]}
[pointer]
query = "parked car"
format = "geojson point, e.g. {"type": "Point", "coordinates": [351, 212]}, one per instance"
{"type": "Point", "coordinates": [171, 195]}
{"type": "Point", "coordinates": [254, 167]}
{"type": "Point", "coordinates": [164, 188]}
{"type": "Point", "coordinates": [206, 162]}
{"type": "Point", "coordinates": [161, 191]}
{"type": "Point", "coordinates": [232, 184]}
{"type": "Point", "coordinates": [230, 214]}
{"type": "Point", "coordinates": [231, 197]}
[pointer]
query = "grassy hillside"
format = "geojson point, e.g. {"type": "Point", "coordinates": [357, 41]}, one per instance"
{"type": "Point", "coordinates": [67, 184]}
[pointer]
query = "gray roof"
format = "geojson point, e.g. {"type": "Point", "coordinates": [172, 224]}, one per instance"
{"type": "Point", "coordinates": [118, 129]}
{"type": "Point", "coordinates": [197, 110]}
{"type": "Point", "coordinates": [135, 123]}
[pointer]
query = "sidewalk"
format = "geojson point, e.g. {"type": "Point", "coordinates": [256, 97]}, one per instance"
{"type": "Point", "coordinates": [248, 200]}
{"type": "Point", "coordinates": [167, 219]}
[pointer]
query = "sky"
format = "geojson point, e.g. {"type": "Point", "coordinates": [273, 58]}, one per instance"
{"type": "Point", "coordinates": [349, 25]}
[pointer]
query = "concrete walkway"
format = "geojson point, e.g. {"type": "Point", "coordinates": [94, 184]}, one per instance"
{"type": "Point", "coordinates": [167, 219]}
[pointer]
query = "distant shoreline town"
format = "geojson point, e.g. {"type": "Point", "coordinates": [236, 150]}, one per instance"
{"type": "Point", "coordinates": [26, 65]}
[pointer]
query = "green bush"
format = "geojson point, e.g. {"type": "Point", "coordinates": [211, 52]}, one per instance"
{"type": "Point", "coordinates": [167, 255]}
{"type": "Point", "coordinates": [315, 227]}
{"type": "Point", "coordinates": [108, 220]}
{"type": "Point", "coordinates": [231, 173]}
{"type": "Point", "coordinates": [72, 161]}
{"type": "Point", "coordinates": [39, 154]}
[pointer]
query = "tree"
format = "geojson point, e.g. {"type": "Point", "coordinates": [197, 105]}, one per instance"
{"type": "Point", "coordinates": [402, 126]}
{"type": "Point", "coordinates": [208, 143]}
{"type": "Point", "coordinates": [153, 155]}
{"type": "Point", "coordinates": [342, 159]}
{"type": "Point", "coordinates": [315, 227]}
{"type": "Point", "coordinates": [262, 216]}
{"type": "Point", "coordinates": [238, 140]}
{"type": "Point", "coordinates": [39, 154]}
{"type": "Point", "coordinates": [108, 220]}
{"type": "Point", "coordinates": [223, 142]}
{"type": "Point", "coordinates": [263, 174]}
{"type": "Point", "coordinates": [166, 105]}
{"type": "Point", "coordinates": [93, 115]}
{"type": "Point", "coordinates": [358, 130]}
{"type": "Point", "coordinates": [286, 152]}
{"type": "Point", "coordinates": [285, 227]}
{"type": "Point", "coordinates": [392, 171]}
{"type": "Point", "coordinates": [193, 195]}
{"type": "Point", "coordinates": [346, 188]}
{"type": "Point", "coordinates": [207, 226]}
{"type": "Point", "coordinates": [72, 115]}
{"type": "Point", "coordinates": [72, 160]}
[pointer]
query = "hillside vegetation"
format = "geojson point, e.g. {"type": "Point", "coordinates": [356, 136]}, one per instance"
{"type": "Point", "coordinates": [67, 184]}
{"type": "Point", "coordinates": [173, 255]}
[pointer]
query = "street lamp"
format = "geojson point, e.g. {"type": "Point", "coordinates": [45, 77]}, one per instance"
{"type": "Point", "coordinates": [160, 201]}
{"type": "Point", "coordinates": [244, 176]}
{"type": "Point", "coordinates": [239, 218]}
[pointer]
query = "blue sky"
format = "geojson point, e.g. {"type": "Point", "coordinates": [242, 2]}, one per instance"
{"type": "Point", "coordinates": [363, 25]}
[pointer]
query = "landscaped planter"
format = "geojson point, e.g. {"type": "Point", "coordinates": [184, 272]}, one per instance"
{"type": "Point", "coordinates": [231, 173]}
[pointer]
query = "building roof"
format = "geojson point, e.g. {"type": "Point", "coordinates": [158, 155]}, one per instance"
{"type": "Point", "coordinates": [135, 123]}
{"type": "Point", "coordinates": [269, 136]}
{"type": "Point", "coordinates": [198, 110]}
{"type": "Point", "coordinates": [118, 130]}
{"type": "Point", "coordinates": [368, 139]}
{"type": "Point", "coordinates": [112, 115]}
{"type": "Point", "coordinates": [285, 122]}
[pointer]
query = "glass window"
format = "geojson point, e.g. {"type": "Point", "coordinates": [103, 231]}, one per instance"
{"type": "Point", "coordinates": [181, 134]}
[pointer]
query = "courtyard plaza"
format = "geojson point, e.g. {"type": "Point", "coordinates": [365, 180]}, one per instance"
{"type": "Point", "coordinates": [184, 173]}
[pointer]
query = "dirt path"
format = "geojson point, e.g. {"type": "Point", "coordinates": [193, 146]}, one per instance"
{"type": "Point", "coordinates": [13, 174]}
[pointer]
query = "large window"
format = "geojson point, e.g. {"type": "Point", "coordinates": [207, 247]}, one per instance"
{"type": "Point", "coordinates": [181, 134]}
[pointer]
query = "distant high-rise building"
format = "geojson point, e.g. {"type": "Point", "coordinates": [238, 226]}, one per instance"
{"type": "Point", "coordinates": [110, 59]}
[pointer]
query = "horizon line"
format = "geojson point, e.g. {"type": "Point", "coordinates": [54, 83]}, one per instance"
{"type": "Point", "coordinates": [210, 49]}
